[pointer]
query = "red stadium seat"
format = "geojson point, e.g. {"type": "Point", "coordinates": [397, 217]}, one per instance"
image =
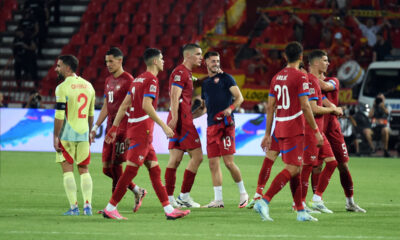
{"type": "Point", "coordinates": [180, 8]}
{"type": "Point", "coordinates": [144, 6]}
{"type": "Point", "coordinates": [121, 29]}
{"type": "Point", "coordinates": [113, 40]}
{"type": "Point", "coordinates": [69, 49]}
{"type": "Point", "coordinates": [139, 29]}
{"type": "Point", "coordinates": [174, 19]}
{"type": "Point", "coordinates": [132, 63]}
{"type": "Point", "coordinates": [137, 51]}
{"type": "Point", "coordinates": [104, 28]}
{"type": "Point", "coordinates": [140, 18]}
{"type": "Point", "coordinates": [98, 60]}
{"type": "Point", "coordinates": [89, 17]}
{"type": "Point", "coordinates": [105, 17]}
{"type": "Point", "coordinates": [182, 40]}
{"type": "Point", "coordinates": [86, 50]}
{"type": "Point", "coordinates": [191, 19]}
{"type": "Point", "coordinates": [168, 63]}
{"type": "Point", "coordinates": [128, 7]}
{"type": "Point", "coordinates": [165, 41]}
{"type": "Point", "coordinates": [96, 39]}
{"type": "Point", "coordinates": [87, 27]}
{"type": "Point", "coordinates": [173, 52]}
{"type": "Point", "coordinates": [95, 7]}
{"type": "Point", "coordinates": [159, 29]}
{"type": "Point", "coordinates": [164, 8]}
{"type": "Point", "coordinates": [112, 7]}
{"type": "Point", "coordinates": [130, 39]}
{"type": "Point", "coordinates": [90, 74]}
{"type": "Point", "coordinates": [174, 30]}
{"type": "Point", "coordinates": [123, 18]}
{"type": "Point", "coordinates": [78, 39]}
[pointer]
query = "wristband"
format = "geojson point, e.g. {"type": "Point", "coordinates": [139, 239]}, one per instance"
{"type": "Point", "coordinates": [232, 107]}
{"type": "Point", "coordinates": [95, 127]}
{"type": "Point", "coordinates": [315, 130]}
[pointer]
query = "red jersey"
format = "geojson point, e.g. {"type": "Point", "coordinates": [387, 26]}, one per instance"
{"type": "Point", "coordinates": [115, 90]}
{"type": "Point", "coordinates": [182, 77]}
{"type": "Point", "coordinates": [333, 97]}
{"type": "Point", "coordinates": [315, 94]}
{"type": "Point", "coordinates": [287, 86]}
{"type": "Point", "coordinates": [139, 123]}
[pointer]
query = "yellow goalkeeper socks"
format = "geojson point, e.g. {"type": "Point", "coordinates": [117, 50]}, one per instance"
{"type": "Point", "coordinates": [87, 188]}
{"type": "Point", "coordinates": [70, 188]}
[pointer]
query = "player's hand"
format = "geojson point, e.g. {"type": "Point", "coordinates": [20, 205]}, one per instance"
{"type": "Point", "coordinates": [338, 111]}
{"type": "Point", "coordinates": [172, 123]}
{"type": "Point", "coordinates": [111, 135]}
{"type": "Point", "coordinates": [56, 144]}
{"type": "Point", "coordinates": [227, 111]}
{"type": "Point", "coordinates": [266, 143]}
{"type": "Point", "coordinates": [168, 131]}
{"type": "Point", "coordinates": [92, 136]}
{"type": "Point", "coordinates": [320, 139]}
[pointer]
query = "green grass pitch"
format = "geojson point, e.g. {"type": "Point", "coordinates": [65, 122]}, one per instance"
{"type": "Point", "coordinates": [32, 200]}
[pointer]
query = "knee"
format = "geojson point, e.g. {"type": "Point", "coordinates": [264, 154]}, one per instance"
{"type": "Point", "coordinates": [229, 165]}
{"type": "Point", "coordinates": [317, 169]}
{"type": "Point", "coordinates": [342, 167]}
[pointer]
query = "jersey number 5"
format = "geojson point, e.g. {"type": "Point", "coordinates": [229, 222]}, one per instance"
{"type": "Point", "coordinates": [80, 97]}
{"type": "Point", "coordinates": [284, 92]}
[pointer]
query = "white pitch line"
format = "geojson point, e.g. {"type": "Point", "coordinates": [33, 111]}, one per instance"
{"type": "Point", "coordinates": [211, 236]}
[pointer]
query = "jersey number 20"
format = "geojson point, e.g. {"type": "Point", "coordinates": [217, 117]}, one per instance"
{"type": "Point", "coordinates": [283, 91]}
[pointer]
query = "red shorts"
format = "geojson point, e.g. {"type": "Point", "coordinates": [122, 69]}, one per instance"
{"type": "Point", "coordinates": [140, 150]}
{"type": "Point", "coordinates": [336, 139]}
{"type": "Point", "coordinates": [292, 149]}
{"type": "Point", "coordinates": [274, 144]}
{"type": "Point", "coordinates": [314, 155]}
{"type": "Point", "coordinates": [220, 144]}
{"type": "Point", "coordinates": [185, 137]}
{"type": "Point", "coordinates": [115, 152]}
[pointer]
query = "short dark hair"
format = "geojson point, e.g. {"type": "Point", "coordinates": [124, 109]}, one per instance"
{"type": "Point", "coordinates": [116, 52]}
{"type": "Point", "coordinates": [211, 54]}
{"type": "Point", "coordinates": [71, 61]}
{"type": "Point", "coordinates": [190, 46]}
{"type": "Point", "coordinates": [318, 53]}
{"type": "Point", "coordinates": [149, 54]}
{"type": "Point", "coordinates": [293, 51]}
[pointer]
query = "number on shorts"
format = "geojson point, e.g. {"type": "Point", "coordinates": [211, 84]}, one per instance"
{"type": "Point", "coordinates": [284, 91]}
{"type": "Point", "coordinates": [119, 148]}
{"type": "Point", "coordinates": [227, 142]}
{"type": "Point", "coordinates": [344, 148]}
{"type": "Point", "coordinates": [82, 95]}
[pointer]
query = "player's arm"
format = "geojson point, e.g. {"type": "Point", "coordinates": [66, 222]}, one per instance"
{"type": "Point", "coordinates": [100, 119]}
{"type": "Point", "coordinates": [176, 92]}
{"type": "Point", "coordinates": [237, 95]}
{"type": "Point", "coordinates": [201, 110]}
{"type": "Point", "coordinates": [266, 141]}
{"type": "Point", "coordinates": [149, 109]}
{"type": "Point", "coordinates": [112, 133]}
{"type": "Point", "coordinates": [318, 110]}
{"type": "Point", "coordinates": [308, 115]}
{"type": "Point", "coordinates": [327, 86]}
{"type": "Point", "coordinates": [61, 106]}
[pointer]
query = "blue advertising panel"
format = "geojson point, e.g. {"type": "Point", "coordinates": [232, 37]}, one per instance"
{"type": "Point", "coordinates": [32, 130]}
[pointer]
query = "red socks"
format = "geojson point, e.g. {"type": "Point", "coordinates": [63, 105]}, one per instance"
{"type": "Point", "coordinates": [314, 180]}
{"type": "Point", "coordinates": [155, 177]}
{"type": "Point", "coordinates": [325, 177]}
{"type": "Point", "coordinates": [347, 182]}
{"type": "Point", "coordinates": [295, 187]}
{"type": "Point", "coordinates": [170, 179]}
{"type": "Point", "coordinates": [279, 182]}
{"type": "Point", "coordinates": [305, 175]}
{"type": "Point", "coordinates": [264, 175]}
{"type": "Point", "coordinates": [188, 180]}
{"type": "Point", "coordinates": [120, 190]}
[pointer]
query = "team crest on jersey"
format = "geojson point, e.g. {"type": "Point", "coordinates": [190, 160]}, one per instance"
{"type": "Point", "coordinates": [305, 86]}
{"type": "Point", "coordinates": [177, 78]}
{"type": "Point", "coordinates": [141, 158]}
{"type": "Point", "coordinates": [313, 157]}
{"type": "Point", "coordinates": [197, 140]}
{"type": "Point", "coordinates": [117, 87]}
{"type": "Point", "coordinates": [312, 91]}
{"type": "Point", "coordinates": [153, 88]}
{"type": "Point", "coordinates": [299, 158]}
{"type": "Point", "coordinates": [216, 80]}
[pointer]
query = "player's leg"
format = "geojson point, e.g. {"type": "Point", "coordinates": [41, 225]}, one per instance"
{"type": "Point", "coordinates": [385, 141]}
{"type": "Point", "coordinates": [368, 135]}
{"type": "Point", "coordinates": [315, 173]}
{"type": "Point", "coordinates": [175, 158]}
{"type": "Point", "coordinates": [66, 160]}
{"type": "Point", "coordinates": [83, 160]}
{"type": "Point", "coordinates": [155, 177]}
{"type": "Point", "coordinates": [237, 177]}
{"type": "Point", "coordinates": [216, 177]}
{"type": "Point", "coordinates": [196, 157]}
{"type": "Point", "coordinates": [264, 174]}
{"type": "Point", "coordinates": [317, 203]}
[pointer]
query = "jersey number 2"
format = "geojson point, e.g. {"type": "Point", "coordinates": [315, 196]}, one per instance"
{"type": "Point", "coordinates": [284, 92]}
{"type": "Point", "coordinates": [84, 97]}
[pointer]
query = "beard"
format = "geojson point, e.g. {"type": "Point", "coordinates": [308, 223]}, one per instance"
{"type": "Point", "coordinates": [60, 77]}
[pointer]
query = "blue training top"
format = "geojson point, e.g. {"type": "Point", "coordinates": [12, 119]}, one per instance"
{"type": "Point", "coordinates": [215, 92]}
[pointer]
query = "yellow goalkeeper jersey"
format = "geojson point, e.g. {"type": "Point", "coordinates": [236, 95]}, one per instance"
{"type": "Point", "coordinates": [75, 99]}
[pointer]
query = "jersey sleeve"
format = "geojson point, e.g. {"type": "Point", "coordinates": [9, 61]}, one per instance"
{"type": "Point", "coordinates": [230, 81]}
{"type": "Point", "coordinates": [92, 102]}
{"type": "Point", "coordinates": [178, 79]}
{"type": "Point", "coordinates": [105, 88]}
{"type": "Point", "coordinates": [150, 88]}
{"type": "Point", "coordinates": [61, 103]}
{"type": "Point", "coordinates": [304, 86]}
{"type": "Point", "coordinates": [272, 92]}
